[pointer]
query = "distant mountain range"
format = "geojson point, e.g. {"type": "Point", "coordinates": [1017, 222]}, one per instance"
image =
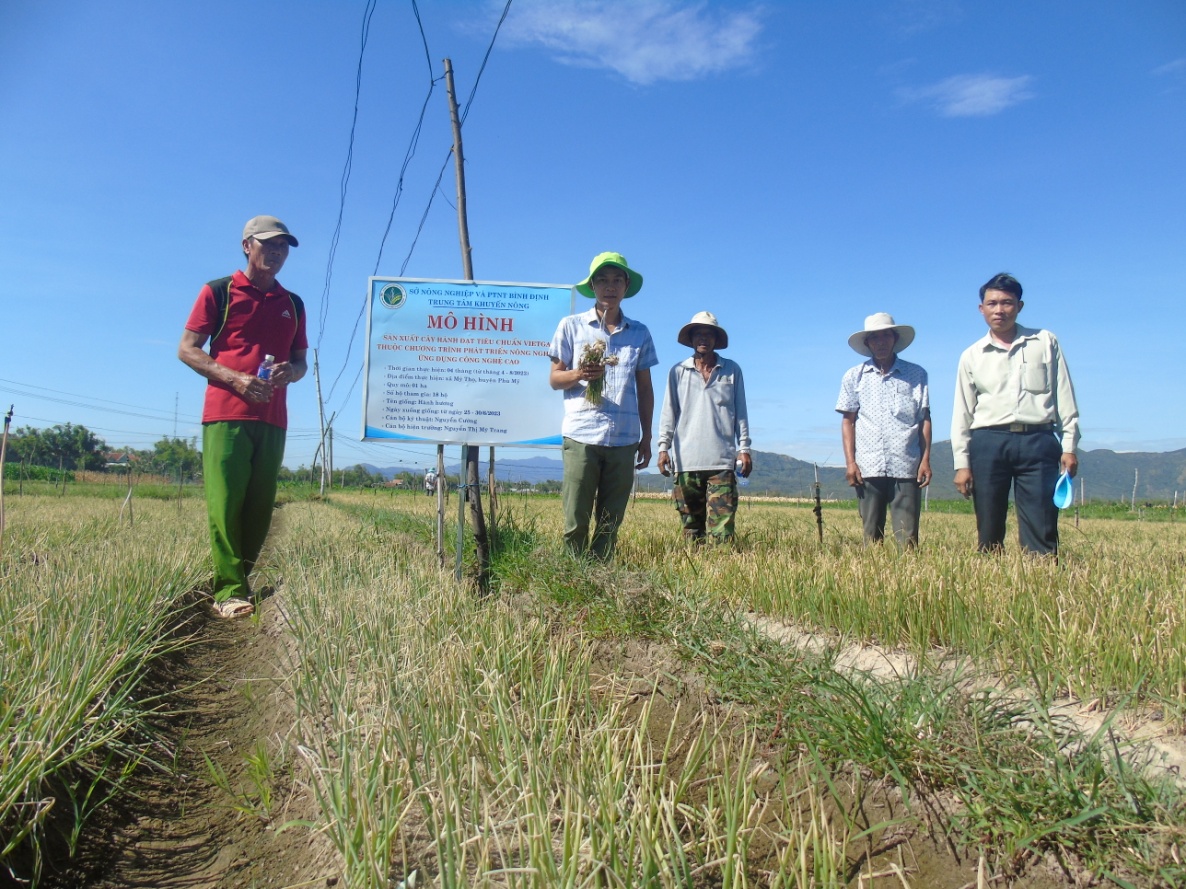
{"type": "Point", "coordinates": [1106, 475]}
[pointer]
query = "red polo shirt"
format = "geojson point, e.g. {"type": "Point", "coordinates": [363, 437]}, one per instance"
{"type": "Point", "coordinates": [257, 324]}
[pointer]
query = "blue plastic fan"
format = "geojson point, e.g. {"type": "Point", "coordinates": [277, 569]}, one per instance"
{"type": "Point", "coordinates": [1064, 491]}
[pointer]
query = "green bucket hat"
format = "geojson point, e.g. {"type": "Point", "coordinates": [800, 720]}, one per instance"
{"type": "Point", "coordinates": [634, 285]}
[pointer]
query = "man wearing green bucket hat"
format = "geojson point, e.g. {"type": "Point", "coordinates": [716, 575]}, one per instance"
{"type": "Point", "coordinates": [601, 361]}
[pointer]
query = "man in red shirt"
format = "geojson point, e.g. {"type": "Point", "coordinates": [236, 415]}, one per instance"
{"type": "Point", "coordinates": [246, 318]}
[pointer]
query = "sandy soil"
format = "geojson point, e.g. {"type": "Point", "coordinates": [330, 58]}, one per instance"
{"type": "Point", "coordinates": [1145, 728]}
{"type": "Point", "coordinates": [183, 831]}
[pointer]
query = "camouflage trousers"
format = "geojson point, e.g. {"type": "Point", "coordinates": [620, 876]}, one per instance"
{"type": "Point", "coordinates": [707, 503]}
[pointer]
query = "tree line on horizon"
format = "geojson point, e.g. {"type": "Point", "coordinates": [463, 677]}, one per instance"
{"type": "Point", "coordinates": [69, 448]}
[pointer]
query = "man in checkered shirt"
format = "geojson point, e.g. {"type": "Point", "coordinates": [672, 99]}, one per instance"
{"type": "Point", "coordinates": [886, 430]}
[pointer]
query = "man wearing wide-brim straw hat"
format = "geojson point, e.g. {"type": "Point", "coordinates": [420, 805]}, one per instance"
{"type": "Point", "coordinates": [704, 432]}
{"type": "Point", "coordinates": [886, 430]}
{"type": "Point", "coordinates": [601, 361]}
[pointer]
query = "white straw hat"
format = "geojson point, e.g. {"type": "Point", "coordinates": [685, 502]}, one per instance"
{"type": "Point", "coordinates": [881, 321]}
{"type": "Point", "coordinates": [703, 319]}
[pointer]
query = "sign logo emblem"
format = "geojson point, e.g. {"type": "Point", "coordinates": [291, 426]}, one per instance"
{"type": "Point", "coordinates": [393, 296]}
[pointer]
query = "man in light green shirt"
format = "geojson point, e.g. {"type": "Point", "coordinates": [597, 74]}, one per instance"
{"type": "Point", "coordinates": [1015, 423]}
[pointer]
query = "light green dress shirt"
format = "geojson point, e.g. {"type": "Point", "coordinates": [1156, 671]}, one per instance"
{"type": "Point", "coordinates": [1026, 382]}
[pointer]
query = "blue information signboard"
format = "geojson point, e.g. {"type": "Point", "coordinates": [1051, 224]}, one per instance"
{"type": "Point", "coordinates": [462, 362]}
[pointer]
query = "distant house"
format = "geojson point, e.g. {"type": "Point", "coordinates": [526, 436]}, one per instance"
{"type": "Point", "coordinates": [117, 460]}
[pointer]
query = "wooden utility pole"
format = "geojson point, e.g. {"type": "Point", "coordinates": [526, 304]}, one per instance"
{"type": "Point", "coordinates": [493, 495]}
{"type": "Point", "coordinates": [472, 489]}
{"type": "Point", "coordinates": [442, 486]}
{"type": "Point", "coordinates": [3, 449]}
{"type": "Point", "coordinates": [321, 419]}
{"type": "Point", "coordinates": [127, 504]}
{"type": "Point", "coordinates": [818, 510]}
{"type": "Point", "coordinates": [459, 168]}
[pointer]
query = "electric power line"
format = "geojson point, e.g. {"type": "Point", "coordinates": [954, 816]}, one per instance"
{"type": "Point", "coordinates": [423, 39]}
{"type": "Point", "coordinates": [424, 215]}
{"type": "Point", "coordinates": [127, 433]}
{"type": "Point", "coordinates": [482, 67]}
{"type": "Point", "coordinates": [74, 399]}
{"type": "Point", "coordinates": [399, 188]}
{"type": "Point", "coordinates": [367, 14]}
{"type": "Point", "coordinates": [465, 112]}
{"type": "Point", "coordinates": [346, 397]}
{"type": "Point", "coordinates": [408, 155]}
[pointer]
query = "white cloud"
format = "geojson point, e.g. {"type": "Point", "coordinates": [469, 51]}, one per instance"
{"type": "Point", "coordinates": [912, 17]}
{"type": "Point", "coordinates": [644, 41]}
{"type": "Point", "coordinates": [1176, 67]}
{"type": "Point", "coordinates": [1173, 74]}
{"type": "Point", "coordinates": [972, 95]}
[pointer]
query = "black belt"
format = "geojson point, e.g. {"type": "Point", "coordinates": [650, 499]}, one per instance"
{"type": "Point", "coordinates": [1020, 427]}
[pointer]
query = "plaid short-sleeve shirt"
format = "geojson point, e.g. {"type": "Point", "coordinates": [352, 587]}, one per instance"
{"type": "Point", "coordinates": [614, 422]}
{"type": "Point", "coordinates": [890, 409]}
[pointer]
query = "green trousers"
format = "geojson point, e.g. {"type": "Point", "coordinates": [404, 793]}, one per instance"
{"type": "Point", "coordinates": [597, 482]}
{"type": "Point", "coordinates": [240, 462]}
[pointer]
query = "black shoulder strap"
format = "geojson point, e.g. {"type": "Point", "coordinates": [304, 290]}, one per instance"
{"type": "Point", "coordinates": [221, 288]}
{"type": "Point", "coordinates": [298, 304]}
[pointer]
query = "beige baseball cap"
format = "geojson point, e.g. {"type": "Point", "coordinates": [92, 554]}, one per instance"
{"type": "Point", "coordinates": [263, 228]}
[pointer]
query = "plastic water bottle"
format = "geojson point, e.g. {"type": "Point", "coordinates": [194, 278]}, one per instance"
{"type": "Point", "coordinates": [265, 369]}
{"type": "Point", "coordinates": [742, 482]}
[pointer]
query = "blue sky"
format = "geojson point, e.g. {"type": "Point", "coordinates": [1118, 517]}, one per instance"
{"type": "Point", "coordinates": [790, 166]}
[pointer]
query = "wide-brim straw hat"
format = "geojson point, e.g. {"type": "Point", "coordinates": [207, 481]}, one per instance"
{"type": "Point", "coordinates": [703, 319]}
{"type": "Point", "coordinates": [633, 284]}
{"type": "Point", "coordinates": [875, 323]}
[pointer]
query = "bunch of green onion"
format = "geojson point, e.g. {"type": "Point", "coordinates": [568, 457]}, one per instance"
{"type": "Point", "coordinates": [593, 355]}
